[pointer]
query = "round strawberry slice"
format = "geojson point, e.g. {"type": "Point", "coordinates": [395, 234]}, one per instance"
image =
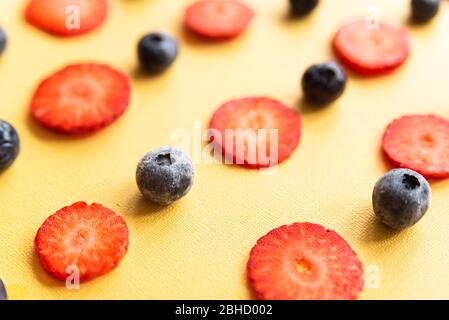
{"type": "Point", "coordinates": [218, 19]}
{"type": "Point", "coordinates": [66, 17]}
{"type": "Point", "coordinates": [419, 143]}
{"type": "Point", "coordinates": [89, 239]}
{"type": "Point", "coordinates": [255, 132]}
{"type": "Point", "coordinates": [304, 261]}
{"type": "Point", "coordinates": [371, 50]}
{"type": "Point", "coordinates": [81, 98]}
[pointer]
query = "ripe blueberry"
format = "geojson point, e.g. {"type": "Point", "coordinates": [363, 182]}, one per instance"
{"type": "Point", "coordinates": [401, 198]}
{"type": "Point", "coordinates": [2, 40]}
{"type": "Point", "coordinates": [424, 10]}
{"type": "Point", "coordinates": [9, 144]}
{"type": "Point", "coordinates": [157, 51]}
{"type": "Point", "coordinates": [3, 295]}
{"type": "Point", "coordinates": [302, 7]}
{"type": "Point", "coordinates": [323, 83]}
{"type": "Point", "coordinates": [165, 175]}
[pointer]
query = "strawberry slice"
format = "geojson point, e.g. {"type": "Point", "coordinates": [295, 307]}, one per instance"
{"type": "Point", "coordinates": [81, 98]}
{"type": "Point", "coordinates": [255, 132]}
{"type": "Point", "coordinates": [218, 19]}
{"type": "Point", "coordinates": [66, 17]}
{"type": "Point", "coordinates": [304, 261]}
{"type": "Point", "coordinates": [419, 143]}
{"type": "Point", "coordinates": [88, 238]}
{"type": "Point", "coordinates": [371, 50]}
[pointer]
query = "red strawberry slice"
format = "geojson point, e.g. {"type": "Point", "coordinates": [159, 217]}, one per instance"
{"type": "Point", "coordinates": [256, 132]}
{"type": "Point", "coordinates": [304, 261]}
{"type": "Point", "coordinates": [88, 238]}
{"type": "Point", "coordinates": [419, 143]}
{"type": "Point", "coordinates": [66, 17]}
{"type": "Point", "coordinates": [371, 50]}
{"type": "Point", "coordinates": [81, 98]}
{"type": "Point", "coordinates": [218, 19]}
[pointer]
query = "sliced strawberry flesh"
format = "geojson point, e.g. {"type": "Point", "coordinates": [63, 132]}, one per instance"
{"type": "Point", "coordinates": [304, 261]}
{"type": "Point", "coordinates": [263, 125]}
{"type": "Point", "coordinates": [420, 143]}
{"type": "Point", "coordinates": [91, 238]}
{"type": "Point", "coordinates": [370, 49]}
{"type": "Point", "coordinates": [58, 16]}
{"type": "Point", "coordinates": [81, 98]}
{"type": "Point", "coordinates": [218, 18]}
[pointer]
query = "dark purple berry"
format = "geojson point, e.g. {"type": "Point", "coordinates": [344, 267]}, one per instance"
{"type": "Point", "coordinates": [9, 144]}
{"type": "Point", "coordinates": [401, 198]}
{"type": "Point", "coordinates": [323, 83]}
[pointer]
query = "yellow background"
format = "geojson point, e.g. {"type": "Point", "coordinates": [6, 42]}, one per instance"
{"type": "Point", "coordinates": [198, 247]}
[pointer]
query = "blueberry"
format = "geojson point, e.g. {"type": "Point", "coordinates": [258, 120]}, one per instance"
{"type": "Point", "coordinates": [157, 51]}
{"type": "Point", "coordinates": [424, 10]}
{"type": "Point", "coordinates": [165, 175]}
{"type": "Point", "coordinates": [401, 198]}
{"type": "Point", "coordinates": [302, 7]}
{"type": "Point", "coordinates": [323, 83]}
{"type": "Point", "coordinates": [3, 295]}
{"type": "Point", "coordinates": [9, 144]}
{"type": "Point", "coordinates": [2, 40]}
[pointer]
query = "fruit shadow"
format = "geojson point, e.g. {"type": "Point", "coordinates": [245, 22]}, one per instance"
{"type": "Point", "coordinates": [138, 73]}
{"type": "Point", "coordinates": [378, 234]}
{"type": "Point", "coordinates": [251, 293]}
{"type": "Point", "coordinates": [304, 107]}
{"type": "Point", "coordinates": [376, 231]}
{"type": "Point", "coordinates": [6, 172]}
{"type": "Point", "coordinates": [46, 134]}
{"type": "Point", "coordinates": [384, 160]}
{"type": "Point", "coordinates": [42, 275]}
{"type": "Point", "coordinates": [412, 23]}
{"type": "Point", "coordinates": [317, 118]}
{"type": "Point", "coordinates": [289, 18]}
{"type": "Point", "coordinates": [142, 215]}
{"type": "Point", "coordinates": [351, 74]}
{"type": "Point", "coordinates": [144, 208]}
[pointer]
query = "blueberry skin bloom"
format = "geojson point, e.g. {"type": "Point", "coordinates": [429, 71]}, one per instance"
{"type": "Point", "coordinates": [424, 10]}
{"type": "Point", "coordinates": [401, 198]}
{"type": "Point", "coordinates": [157, 51]}
{"type": "Point", "coordinates": [302, 7]}
{"type": "Point", "coordinates": [9, 144]}
{"type": "Point", "coordinates": [2, 40]}
{"type": "Point", "coordinates": [3, 295]}
{"type": "Point", "coordinates": [323, 83]}
{"type": "Point", "coordinates": [165, 175]}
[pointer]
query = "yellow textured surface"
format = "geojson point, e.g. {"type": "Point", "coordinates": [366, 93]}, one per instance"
{"type": "Point", "coordinates": [198, 247]}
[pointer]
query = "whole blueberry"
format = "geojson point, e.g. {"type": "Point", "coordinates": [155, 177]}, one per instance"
{"type": "Point", "coordinates": [9, 144]}
{"type": "Point", "coordinates": [165, 175]}
{"type": "Point", "coordinates": [424, 10]}
{"type": "Point", "coordinates": [2, 40]}
{"type": "Point", "coordinates": [401, 198]}
{"type": "Point", "coordinates": [302, 7]}
{"type": "Point", "coordinates": [323, 83]}
{"type": "Point", "coordinates": [157, 51]}
{"type": "Point", "coordinates": [3, 295]}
